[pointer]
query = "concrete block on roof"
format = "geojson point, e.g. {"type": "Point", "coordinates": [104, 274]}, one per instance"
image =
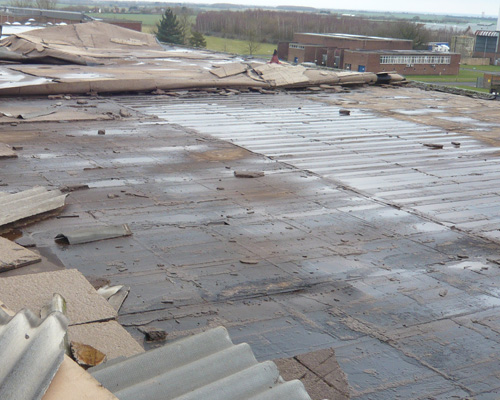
{"type": "Point", "coordinates": [84, 305]}
{"type": "Point", "coordinates": [107, 337]}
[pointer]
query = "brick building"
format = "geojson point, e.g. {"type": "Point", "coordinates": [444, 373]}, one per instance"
{"type": "Point", "coordinates": [404, 62]}
{"type": "Point", "coordinates": [367, 53]}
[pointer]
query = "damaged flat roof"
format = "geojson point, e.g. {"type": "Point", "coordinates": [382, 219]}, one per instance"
{"type": "Point", "coordinates": [357, 237]}
{"type": "Point", "coordinates": [363, 221]}
{"type": "Point", "coordinates": [96, 57]}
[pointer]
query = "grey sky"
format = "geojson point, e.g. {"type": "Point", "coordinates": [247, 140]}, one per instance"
{"type": "Point", "coordinates": [475, 7]}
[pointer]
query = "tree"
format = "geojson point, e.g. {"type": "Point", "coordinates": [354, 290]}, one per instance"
{"type": "Point", "coordinates": [168, 29]}
{"type": "Point", "coordinates": [184, 23]}
{"type": "Point", "coordinates": [197, 39]}
{"type": "Point", "coordinates": [46, 4]}
{"type": "Point", "coordinates": [412, 31]}
{"type": "Point", "coordinates": [253, 42]}
{"type": "Point", "coordinates": [21, 3]}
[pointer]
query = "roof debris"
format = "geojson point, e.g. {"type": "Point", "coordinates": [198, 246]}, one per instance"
{"type": "Point", "coordinates": [6, 151]}
{"type": "Point", "coordinates": [86, 235]}
{"type": "Point", "coordinates": [14, 256]}
{"type": "Point", "coordinates": [113, 59]}
{"type": "Point", "coordinates": [248, 174]}
{"type": "Point", "coordinates": [204, 366]}
{"type": "Point", "coordinates": [86, 356]}
{"type": "Point", "coordinates": [21, 206]}
{"type": "Point", "coordinates": [31, 350]}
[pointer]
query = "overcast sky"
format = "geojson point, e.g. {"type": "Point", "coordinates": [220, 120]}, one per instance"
{"type": "Point", "coordinates": [468, 7]}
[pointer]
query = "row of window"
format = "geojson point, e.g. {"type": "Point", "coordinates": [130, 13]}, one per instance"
{"type": "Point", "coordinates": [296, 46]}
{"type": "Point", "coordinates": [397, 59]}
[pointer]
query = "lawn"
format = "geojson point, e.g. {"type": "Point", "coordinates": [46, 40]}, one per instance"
{"type": "Point", "coordinates": [237, 46]}
{"type": "Point", "coordinates": [465, 75]}
{"type": "Point", "coordinates": [213, 43]}
{"type": "Point", "coordinates": [488, 68]}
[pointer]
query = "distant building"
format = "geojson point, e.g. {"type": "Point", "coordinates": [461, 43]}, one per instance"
{"type": "Point", "coordinates": [367, 54]}
{"type": "Point", "coordinates": [486, 46]}
{"type": "Point", "coordinates": [463, 44]}
{"type": "Point", "coordinates": [404, 62]}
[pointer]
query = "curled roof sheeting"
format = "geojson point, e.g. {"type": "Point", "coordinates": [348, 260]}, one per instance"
{"type": "Point", "coordinates": [31, 351]}
{"type": "Point", "coordinates": [206, 366]}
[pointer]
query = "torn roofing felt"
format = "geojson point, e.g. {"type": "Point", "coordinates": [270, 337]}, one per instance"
{"type": "Point", "coordinates": [80, 44]}
{"type": "Point", "coordinates": [103, 58]}
{"type": "Point", "coordinates": [206, 366]}
{"type": "Point", "coordinates": [31, 351]}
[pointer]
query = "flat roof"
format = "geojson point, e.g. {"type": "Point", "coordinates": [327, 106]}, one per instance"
{"type": "Point", "coordinates": [352, 37]}
{"type": "Point", "coordinates": [401, 52]}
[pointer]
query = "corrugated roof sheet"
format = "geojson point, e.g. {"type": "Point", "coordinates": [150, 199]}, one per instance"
{"type": "Point", "coordinates": [381, 156]}
{"type": "Point", "coordinates": [487, 33]}
{"type": "Point", "coordinates": [29, 203]}
{"type": "Point", "coordinates": [31, 351]}
{"type": "Point", "coordinates": [204, 366]}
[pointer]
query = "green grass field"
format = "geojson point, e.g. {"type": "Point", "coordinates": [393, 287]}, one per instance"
{"type": "Point", "coordinates": [465, 75]}
{"type": "Point", "coordinates": [237, 46]}
{"type": "Point", "coordinates": [488, 68]}
{"type": "Point", "coordinates": [213, 43]}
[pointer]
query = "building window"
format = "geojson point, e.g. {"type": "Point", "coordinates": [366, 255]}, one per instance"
{"type": "Point", "coordinates": [411, 60]}
{"type": "Point", "coordinates": [297, 46]}
{"type": "Point", "coordinates": [348, 66]}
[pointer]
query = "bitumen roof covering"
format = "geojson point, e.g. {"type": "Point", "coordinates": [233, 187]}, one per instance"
{"type": "Point", "coordinates": [203, 366]}
{"type": "Point", "coordinates": [374, 233]}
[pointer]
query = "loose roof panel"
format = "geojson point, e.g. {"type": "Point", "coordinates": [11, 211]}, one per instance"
{"type": "Point", "coordinates": [31, 351]}
{"type": "Point", "coordinates": [29, 203]}
{"type": "Point", "coordinates": [204, 366]}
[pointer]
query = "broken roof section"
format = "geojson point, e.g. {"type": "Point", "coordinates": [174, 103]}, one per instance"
{"type": "Point", "coordinates": [28, 204]}
{"type": "Point", "coordinates": [82, 44]}
{"type": "Point", "coordinates": [112, 59]}
{"type": "Point", "coordinates": [31, 351]}
{"type": "Point", "coordinates": [205, 366]}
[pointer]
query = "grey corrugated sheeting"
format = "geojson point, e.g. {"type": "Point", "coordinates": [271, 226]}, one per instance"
{"type": "Point", "coordinates": [31, 351]}
{"type": "Point", "coordinates": [86, 235]}
{"type": "Point", "coordinates": [29, 203]}
{"type": "Point", "coordinates": [382, 157]}
{"type": "Point", "coordinates": [204, 366]}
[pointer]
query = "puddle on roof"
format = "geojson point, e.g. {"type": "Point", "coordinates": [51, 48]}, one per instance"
{"type": "Point", "coordinates": [468, 120]}
{"type": "Point", "coordinates": [134, 160]}
{"type": "Point", "coordinates": [220, 62]}
{"type": "Point", "coordinates": [420, 111]}
{"type": "Point", "coordinates": [429, 227]}
{"type": "Point", "coordinates": [11, 80]}
{"type": "Point", "coordinates": [114, 183]}
{"type": "Point", "coordinates": [170, 60]}
{"type": "Point", "coordinates": [470, 265]}
{"type": "Point", "coordinates": [85, 75]}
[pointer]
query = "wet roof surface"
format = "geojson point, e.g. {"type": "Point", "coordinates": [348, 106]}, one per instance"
{"type": "Point", "coordinates": [358, 237]}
